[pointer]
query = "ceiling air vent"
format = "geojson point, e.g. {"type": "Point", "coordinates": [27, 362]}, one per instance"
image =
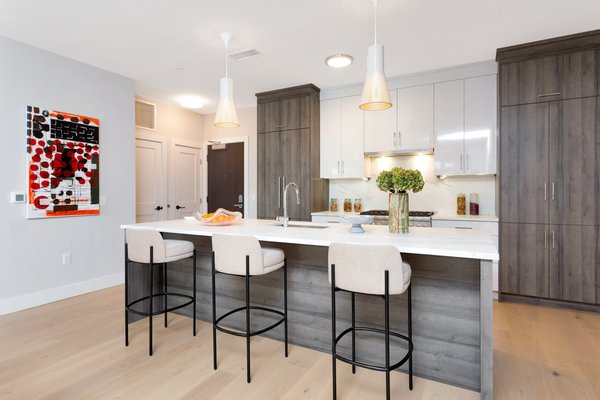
{"type": "Point", "coordinates": [145, 115]}
{"type": "Point", "coordinates": [244, 55]}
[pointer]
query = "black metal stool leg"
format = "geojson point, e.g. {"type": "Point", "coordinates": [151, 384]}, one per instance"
{"type": "Point", "coordinates": [410, 365]}
{"type": "Point", "coordinates": [387, 336]}
{"type": "Point", "coordinates": [150, 299]}
{"type": "Point", "coordinates": [285, 306]}
{"type": "Point", "coordinates": [353, 333]}
{"type": "Point", "coordinates": [333, 331]}
{"type": "Point", "coordinates": [214, 313]}
{"type": "Point", "coordinates": [164, 268]}
{"type": "Point", "coordinates": [126, 296]}
{"type": "Point", "coordinates": [248, 319]}
{"type": "Point", "coordinates": [194, 295]}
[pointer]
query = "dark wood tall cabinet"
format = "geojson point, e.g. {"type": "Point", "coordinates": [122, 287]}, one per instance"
{"type": "Point", "coordinates": [549, 179]}
{"type": "Point", "coordinates": [288, 151]}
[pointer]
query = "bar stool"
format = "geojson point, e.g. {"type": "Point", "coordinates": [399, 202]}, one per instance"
{"type": "Point", "coordinates": [241, 255]}
{"type": "Point", "coordinates": [369, 270]}
{"type": "Point", "coordinates": [147, 246]}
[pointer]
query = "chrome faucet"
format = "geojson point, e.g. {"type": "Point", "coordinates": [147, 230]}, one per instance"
{"type": "Point", "coordinates": [285, 219]}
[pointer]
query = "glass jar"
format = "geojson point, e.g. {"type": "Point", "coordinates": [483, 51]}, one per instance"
{"type": "Point", "coordinates": [357, 205]}
{"type": "Point", "coordinates": [333, 205]}
{"type": "Point", "coordinates": [473, 204]}
{"type": "Point", "coordinates": [461, 204]}
{"type": "Point", "coordinates": [347, 205]}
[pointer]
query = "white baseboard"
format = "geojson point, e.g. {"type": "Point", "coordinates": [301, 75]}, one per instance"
{"type": "Point", "coordinates": [29, 300]}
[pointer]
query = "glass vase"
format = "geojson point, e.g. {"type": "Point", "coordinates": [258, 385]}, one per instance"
{"type": "Point", "coordinates": [398, 213]}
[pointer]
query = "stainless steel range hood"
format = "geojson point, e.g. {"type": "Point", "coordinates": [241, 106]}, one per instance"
{"type": "Point", "coordinates": [403, 152]}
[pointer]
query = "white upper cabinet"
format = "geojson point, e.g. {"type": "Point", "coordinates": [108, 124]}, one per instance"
{"type": "Point", "coordinates": [331, 134]}
{"type": "Point", "coordinates": [415, 118]}
{"type": "Point", "coordinates": [342, 146]}
{"type": "Point", "coordinates": [449, 128]}
{"type": "Point", "coordinates": [480, 125]}
{"type": "Point", "coordinates": [405, 127]}
{"type": "Point", "coordinates": [465, 126]}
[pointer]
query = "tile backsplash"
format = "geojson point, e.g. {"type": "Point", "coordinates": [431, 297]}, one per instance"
{"type": "Point", "coordinates": [438, 195]}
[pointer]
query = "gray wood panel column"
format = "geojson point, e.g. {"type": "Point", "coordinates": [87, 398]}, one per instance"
{"type": "Point", "coordinates": [486, 319]}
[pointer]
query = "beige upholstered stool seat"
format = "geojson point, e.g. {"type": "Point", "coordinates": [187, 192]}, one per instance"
{"type": "Point", "coordinates": [231, 251]}
{"type": "Point", "coordinates": [360, 268]}
{"type": "Point", "coordinates": [177, 249]}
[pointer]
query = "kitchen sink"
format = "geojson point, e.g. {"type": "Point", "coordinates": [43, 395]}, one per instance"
{"type": "Point", "coordinates": [301, 225]}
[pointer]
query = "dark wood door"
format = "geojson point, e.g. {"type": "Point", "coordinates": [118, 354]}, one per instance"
{"type": "Point", "coordinates": [531, 81]}
{"type": "Point", "coordinates": [579, 75]}
{"type": "Point", "coordinates": [575, 263]}
{"type": "Point", "coordinates": [226, 177]}
{"type": "Point", "coordinates": [268, 116]}
{"type": "Point", "coordinates": [575, 162]}
{"type": "Point", "coordinates": [269, 175]}
{"type": "Point", "coordinates": [295, 167]}
{"type": "Point", "coordinates": [524, 259]}
{"type": "Point", "coordinates": [524, 164]}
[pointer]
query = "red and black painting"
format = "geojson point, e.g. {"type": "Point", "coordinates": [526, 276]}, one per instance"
{"type": "Point", "coordinates": [62, 164]}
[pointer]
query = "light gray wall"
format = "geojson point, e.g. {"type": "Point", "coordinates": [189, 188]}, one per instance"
{"type": "Point", "coordinates": [31, 250]}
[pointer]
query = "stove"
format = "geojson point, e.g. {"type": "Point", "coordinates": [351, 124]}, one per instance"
{"type": "Point", "coordinates": [415, 218]}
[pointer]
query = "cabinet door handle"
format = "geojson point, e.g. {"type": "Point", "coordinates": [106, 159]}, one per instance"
{"type": "Point", "coordinates": [395, 140]}
{"type": "Point", "coordinates": [338, 169]}
{"type": "Point", "coordinates": [399, 139]}
{"type": "Point", "coordinates": [342, 167]}
{"type": "Point", "coordinates": [545, 239]}
{"type": "Point", "coordinates": [462, 227]}
{"type": "Point", "coordinates": [552, 190]}
{"type": "Point", "coordinates": [545, 191]}
{"type": "Point", "coordinates": [553, 239]}
{"type": "Point", "coordinates": [467, 158]}
{"type": "Point", "coordinates": [461, 162]}
{"type": "Point", "coordinates": [549, 94]}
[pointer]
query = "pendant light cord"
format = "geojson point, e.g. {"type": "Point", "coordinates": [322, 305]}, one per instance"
{"type": "Point", "coordinates": [226, 62]}
{"type": "Point", "coordinates": [375, 18]}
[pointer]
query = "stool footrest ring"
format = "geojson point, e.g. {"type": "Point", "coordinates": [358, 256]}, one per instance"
{"type": "Point", "coordinates": [130, 308]}
{"type": "Point", "coordinates": [374, 366]}
{"type": "Point", "coordinates": [254, 333]}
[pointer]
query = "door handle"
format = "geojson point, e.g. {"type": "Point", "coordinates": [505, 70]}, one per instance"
{"type": "Point", "coordinates": [467, 162]}
{"type": "Point", "coordinates": [240, 198]}
{"type": "Point", "coordinates": [549, 94]}
{"type": "Point", "coordinates": [278, 192]}
{"type": "Point", "coordinates": [553, 243]}
{"type": "Point", "coordinates": [395, 140]}
{"type": "Point", "coordinates": [461, 163]}
{"type": "Point", "coordinates": [238, 205]}
{"type": "Point", "coordinates": [158, 208]}
{"type": "Point", "coordinates": [399, 139]}
{"type": "Point", "coordinates": [339, 170]}
{"type": "Point", "coordinates": [545, 239]}
{"type": "Point", "coordinates": [342, 168]}
{"type": "Point", "coordinates": [552, 190]}
{"type": "Point", "coordinates": [545, 191]}
{"type": "Point", "coordinates": [178, 207]}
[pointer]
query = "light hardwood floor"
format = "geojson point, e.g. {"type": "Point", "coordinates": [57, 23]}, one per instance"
{"type": "Point", "coordinates": [74, 349]}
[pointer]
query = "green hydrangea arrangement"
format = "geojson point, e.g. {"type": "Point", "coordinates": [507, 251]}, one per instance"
{"type": "Point", "coordinates": [398, 180]}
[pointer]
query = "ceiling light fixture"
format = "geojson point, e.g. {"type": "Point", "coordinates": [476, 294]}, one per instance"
{"type": "Point", "coordinates": [375, 95]}
{"type": "Point", "coordinates": [339, 60]}
{"type": "Point", "coordinates": [226, 116]}
{"type": "Point", "coordinates": [191, 102]}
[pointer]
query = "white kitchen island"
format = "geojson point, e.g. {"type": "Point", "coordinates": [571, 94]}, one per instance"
{"type": "Point", "coordinates": [452, 291]}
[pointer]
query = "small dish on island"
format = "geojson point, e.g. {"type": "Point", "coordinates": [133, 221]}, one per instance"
{"type": "Point", "coordinates": [357, 221]}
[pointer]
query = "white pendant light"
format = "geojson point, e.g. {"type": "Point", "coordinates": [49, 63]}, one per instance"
{"type": "Point", "coordinates": [226, 116]}
{"type": "Point", "coordinates": [375, 95]}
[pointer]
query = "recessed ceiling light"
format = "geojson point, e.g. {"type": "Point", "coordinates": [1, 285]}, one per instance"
{"type": "Point", "coordinates": [179, 69]}
{"type": "Point", "coordinates": [339, 60]}
{"type": "Point", "coordinates": [191, 102]}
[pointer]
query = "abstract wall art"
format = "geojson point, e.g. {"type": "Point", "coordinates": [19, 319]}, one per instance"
{"type": "Point", "coordinates": [62, 164]}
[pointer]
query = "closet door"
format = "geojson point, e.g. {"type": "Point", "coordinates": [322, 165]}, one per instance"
{"type": "Point", "coordinates": [531, 81]}
{"type": "Point", "coordinates": [575, 161]}
{"type": "Point", "coordinates": [269, 175]}
{"type": "Point", "coordinates": [295, 167]}
{"type": "Point", "coordinates": [524, 186]}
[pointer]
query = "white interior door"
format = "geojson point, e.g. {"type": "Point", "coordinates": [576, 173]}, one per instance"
{"type": "Point", "coordinates": [185, 177]}
{"type": "Point", "coordinates": [151, 179]}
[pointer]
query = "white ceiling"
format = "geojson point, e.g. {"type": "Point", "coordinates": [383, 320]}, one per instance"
{"type": "Point", "coordinates": [147, 40]}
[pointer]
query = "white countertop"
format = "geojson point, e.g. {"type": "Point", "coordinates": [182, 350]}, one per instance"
{"type": "Point", "coordinates": [473, 244]}
{"type": "Point", "coordinates": [333, 213]}
{"type": "Point", "coordinates": [455, 217]}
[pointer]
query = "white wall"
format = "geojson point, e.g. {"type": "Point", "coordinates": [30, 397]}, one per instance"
{"type": "Point", "coordinates": [31, 250]}
{"type": "Point", "coordinates": [437, 195]}
{"type": "Point", "coordinates": [175, 122]}
{"type": "Point", "coordinates": [247, 120]}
